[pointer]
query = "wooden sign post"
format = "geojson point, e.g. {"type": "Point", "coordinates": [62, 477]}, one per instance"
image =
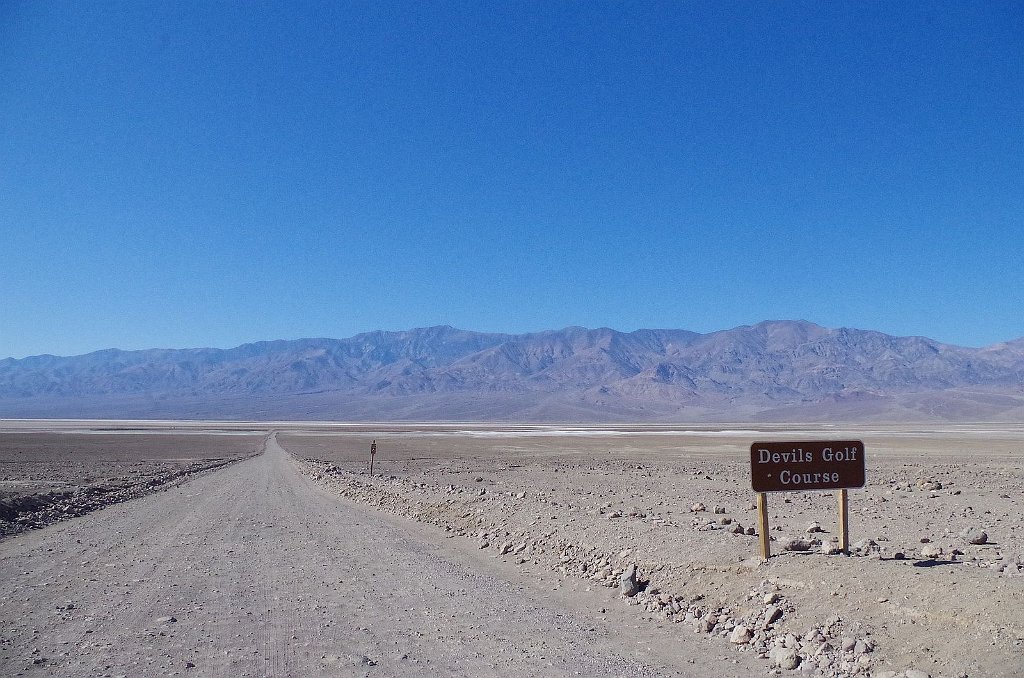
{"type": "Point", "coordinates": [804, 467]}
{"type": "Point", "coordinates": [373, 453]}
{"type": "Point", "coordinates": [844, 522]}
{"type": "Point", "coordinates": [762, 525]}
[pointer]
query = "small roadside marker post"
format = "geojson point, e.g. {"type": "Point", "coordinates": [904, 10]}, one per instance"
{"type": "Point", "coordinates": [803, 467]}
{"type": "Point", "coordinates": [373, 453]}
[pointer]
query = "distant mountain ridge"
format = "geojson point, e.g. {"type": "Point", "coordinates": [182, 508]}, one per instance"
{"type": "Point", "coordinates": [775, 370]}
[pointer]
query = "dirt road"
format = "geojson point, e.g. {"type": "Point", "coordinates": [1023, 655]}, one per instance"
{"type": "Point", "coordinates": [255, 571]}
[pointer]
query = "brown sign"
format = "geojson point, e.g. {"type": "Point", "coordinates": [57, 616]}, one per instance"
{"type": "Point", "coordinates": [804, 466]}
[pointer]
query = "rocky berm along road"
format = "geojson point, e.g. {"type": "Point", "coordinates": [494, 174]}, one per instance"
{"type": "Point", "coordinates": [256, 570]}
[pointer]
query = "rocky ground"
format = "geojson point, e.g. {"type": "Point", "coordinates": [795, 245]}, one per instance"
{"type": "Point", "coordinates": [568, 552]}
{"type": "Point", "coordinates": [254, 570]}
{"type": "Point", "coordinates": [48, 477]}
{"type": "Point", "coordinates": [932, 586]}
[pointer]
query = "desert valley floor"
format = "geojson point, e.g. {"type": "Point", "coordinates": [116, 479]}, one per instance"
{"type": "Point", "coordinates": [244, 549]}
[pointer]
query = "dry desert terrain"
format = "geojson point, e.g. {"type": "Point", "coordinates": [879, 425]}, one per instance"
{"type": "Point", "coordinates": [241, 549]}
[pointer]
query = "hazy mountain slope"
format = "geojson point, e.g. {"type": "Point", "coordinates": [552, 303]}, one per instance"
{"type": "Point", "coordinates": [273, 367]}
{"type": "Point", "coordinates": [778, 369]}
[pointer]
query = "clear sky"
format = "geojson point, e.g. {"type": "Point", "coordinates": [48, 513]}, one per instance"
{"type": "Point", "coordinates": [180, 174]}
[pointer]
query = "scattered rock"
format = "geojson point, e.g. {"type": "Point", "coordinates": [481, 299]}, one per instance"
{"type": "Point", "coordinates": [740, 635]}
{"type": "Point", "coordinates": [975, 535]}
{"type": "Point", "coordinates": [798, 544]}
{"type": "Point", "coordinates": [864, 547]}
{"type": "Point", "coordinates": [931, 551]}
{"type": "Point", "coordinates": [704, 625]}
{"type": "Point", "coordinates": [628, 585]}
{"type": "Point", "coordinates": [784, 657]}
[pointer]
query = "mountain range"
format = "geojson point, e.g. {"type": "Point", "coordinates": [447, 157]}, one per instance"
{"type": "Point", "coordinates": [772, 371]}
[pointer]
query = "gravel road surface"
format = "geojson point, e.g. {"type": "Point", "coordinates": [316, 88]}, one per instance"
{"type": "Point", "coordinates": [253, 570]}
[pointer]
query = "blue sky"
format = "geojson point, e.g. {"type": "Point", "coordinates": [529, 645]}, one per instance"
{"type": "Point", "coordinates": [211, 173]}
